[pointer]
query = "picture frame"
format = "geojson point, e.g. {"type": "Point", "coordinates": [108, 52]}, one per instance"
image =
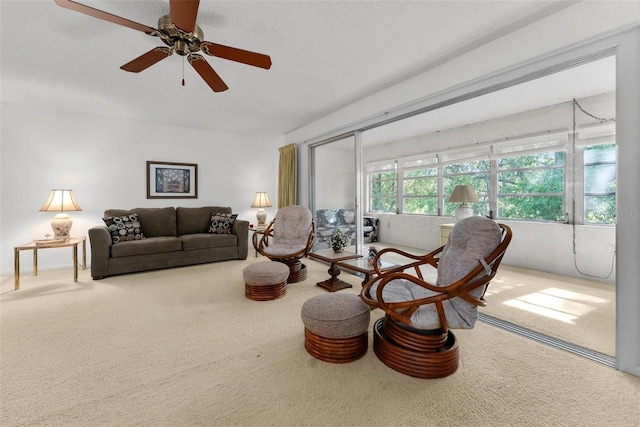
{"type": "Point", "coordinates": [168, 180]}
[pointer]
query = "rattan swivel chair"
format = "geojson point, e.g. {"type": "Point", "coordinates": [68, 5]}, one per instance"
{"type": "Point", "coordinates": [414, 336]}
{"type": "Point", "coordinates": [288, 238]}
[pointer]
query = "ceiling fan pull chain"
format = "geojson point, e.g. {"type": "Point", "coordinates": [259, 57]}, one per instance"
{"type": "Point", "coordinates": [183, 71]}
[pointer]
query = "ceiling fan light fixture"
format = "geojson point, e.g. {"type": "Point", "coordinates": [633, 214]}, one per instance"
{"type": "Point", "coordinates": [182, 42]}
{"type": "Point", "coordinates": [181, 48]}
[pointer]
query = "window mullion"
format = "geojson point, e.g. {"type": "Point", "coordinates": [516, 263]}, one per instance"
{"type": "Point", "coordinates": [493, 188]}
{"type": "Point", "coordinates": [578, 185]}
{"type": "Point", "coordinates": [440, 191]}
{"type": "Point", "coordinates": [571, 183]}
{"type": "Point", "coordinates": [400, 192]}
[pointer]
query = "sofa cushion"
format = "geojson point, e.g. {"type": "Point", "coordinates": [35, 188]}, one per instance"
{"type": "Point", "coordinates": [124, 228]}
{"type": "Point", "coordinates": [151, 245]}
{"type": "Point", "coordinates": [222, 223]}
{"type": "Point", "coordinates": [196, 220]}
{"type": "Point", "coordinates": [207, 241]}
{"type": "Point", "coordinates": [370, 221]}
{"type": "Point", "coordinates": [327, 217]}
{"type": "Point", "coordinates": [155, 221]}
{"type": "Point", "coordinates": [347, 216]}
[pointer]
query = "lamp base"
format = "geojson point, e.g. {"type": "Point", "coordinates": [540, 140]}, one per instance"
{"type": "Point", "coordinates": [463, 211]}
{"type": "Point", "coordinates": [61, 225]}
{"type": "Point", "coordinates": [262, 218]}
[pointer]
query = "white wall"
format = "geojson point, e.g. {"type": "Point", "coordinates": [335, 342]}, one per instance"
{"type": "Point", "coordinates": [104, 161]}
{"type": "Point", "coordinates": [335, 175]}
{"type": "Point", "coordinates": [541, 246]}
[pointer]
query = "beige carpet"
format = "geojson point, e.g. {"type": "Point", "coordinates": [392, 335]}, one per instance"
{"type": "Point", "coordinates": [184, 347]}
{"type": "Point", "coordinates": [577, 311]}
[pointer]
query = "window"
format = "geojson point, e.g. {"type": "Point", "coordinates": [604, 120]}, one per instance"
{"type": "Point", "coordinates": [532, 187]}
{"type": "Point", "coordinates": [474, 173]}
{"type": "Point", "coordinates": [420, 191]}
{"type": "Point", "coordinates": [522, 179]}
{"type": "Point", "coordinates": [600, 184]}
{"type": "Point", "coordinates": [383, 187]}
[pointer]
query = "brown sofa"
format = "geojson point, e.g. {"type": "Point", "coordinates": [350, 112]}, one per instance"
{"type": "Point", "coordinates": [173, 237]}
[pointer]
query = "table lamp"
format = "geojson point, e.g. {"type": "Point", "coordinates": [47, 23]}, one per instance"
{"type": "Point", "coordinates": [60, 201]}
{"type": "Point", "coordinates": [261, 201]}
{"type": "Point", "coordinates": [463, 194]}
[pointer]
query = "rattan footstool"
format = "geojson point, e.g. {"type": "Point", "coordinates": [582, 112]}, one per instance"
{"type": "Point", "coordinates": [265, 281]}
{"type": "Point", "coordinates": [336, 327]}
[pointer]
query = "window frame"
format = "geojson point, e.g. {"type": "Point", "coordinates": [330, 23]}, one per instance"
{"type": "Point", "coordinates": [574, 171]}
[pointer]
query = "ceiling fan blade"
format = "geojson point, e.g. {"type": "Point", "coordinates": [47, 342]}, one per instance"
{"type": "Point", "coordinates": [237, 55]}
{"type": "Point", "coordinates": [105, 16]}
{"type": "Point", "coordinates": [146, 60]}
{"type": "Point", "coordinates": [207, 73]}
{"type": "Point", "coordinates": [184, 13]}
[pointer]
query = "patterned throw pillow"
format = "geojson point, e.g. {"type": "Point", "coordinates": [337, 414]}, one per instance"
{"type": "Point", "coordinates": [124, 228]}
{"type": "Point", "coordinates": [222, 223]}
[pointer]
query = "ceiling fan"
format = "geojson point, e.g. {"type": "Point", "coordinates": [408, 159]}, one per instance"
{"type": "Point", "coordinates": [182, 35]}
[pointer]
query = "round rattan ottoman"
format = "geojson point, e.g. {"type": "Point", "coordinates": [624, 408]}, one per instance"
{"type": "Point", "coordinates": [336, 327]}
{"type": "Point", "coordinates": [265, 281]}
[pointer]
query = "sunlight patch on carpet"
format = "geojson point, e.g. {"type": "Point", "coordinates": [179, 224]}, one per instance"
{"type": "Point", "coordinates": [559, 304]}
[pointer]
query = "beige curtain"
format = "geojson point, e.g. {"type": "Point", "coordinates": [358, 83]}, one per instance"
{"type": "Point", "coordinates": [287, 176]}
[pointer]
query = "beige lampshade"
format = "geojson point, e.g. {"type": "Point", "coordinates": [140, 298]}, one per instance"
{"type": "Point", "coordinates": [261, 200]}
{"type": "Point", "coordinates": [463, 194]}
{"type": "Point", "coordinates": [61, 201]}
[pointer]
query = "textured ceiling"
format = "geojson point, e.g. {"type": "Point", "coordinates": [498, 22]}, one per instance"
{"type": "Point", "coordinates": [325, 54]}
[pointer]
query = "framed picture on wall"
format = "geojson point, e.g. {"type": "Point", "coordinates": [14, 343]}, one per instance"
{"type": "Point", "coordinates": [166, 180]}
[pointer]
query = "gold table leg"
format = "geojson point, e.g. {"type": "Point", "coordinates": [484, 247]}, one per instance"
{"type": "Point", "coordinates": [75, 263]}
{"type": "Point", "coordinates": [84, 254]}
{"type": "Point", "coordinates": [16, 269]}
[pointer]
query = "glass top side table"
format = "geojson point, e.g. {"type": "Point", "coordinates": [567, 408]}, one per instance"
{"type": "Point", "coordinates": [36, 245]}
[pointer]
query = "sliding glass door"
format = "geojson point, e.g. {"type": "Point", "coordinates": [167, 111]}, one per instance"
{"type": "Point", "coordinates": [541, 157]}
{"type": "Point", "coordinates": [334, 190]}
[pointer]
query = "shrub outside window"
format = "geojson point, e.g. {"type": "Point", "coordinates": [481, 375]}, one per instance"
{"type": "Point", "coordinates": [475, 173]}
{"type": "Point", "coordinates": [600, 184]}
{"type": "Point", "coordinates": [383, 192]}
{"type": "Point", "coordinates": [420, 191]}
{"type": "Point", "coordinates": [532, 187]}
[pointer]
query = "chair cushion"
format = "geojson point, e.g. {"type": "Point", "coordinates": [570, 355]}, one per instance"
{"type": "Point", "coordinates": [471, 239]}
{"type": "Point", "coordinates": [292, 226]}
{"type": "Point", "coordinates": [279, 250]}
